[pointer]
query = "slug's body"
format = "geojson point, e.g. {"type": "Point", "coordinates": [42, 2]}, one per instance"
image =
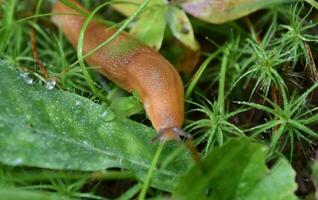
{"type": "Point", "coordinates": [133, 66]}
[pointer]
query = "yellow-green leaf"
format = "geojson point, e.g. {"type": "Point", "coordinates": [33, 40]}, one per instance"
{"type": "Point", "coordinates": [181, 27]}
{"type": "Point", "coordinates": [150, 26]}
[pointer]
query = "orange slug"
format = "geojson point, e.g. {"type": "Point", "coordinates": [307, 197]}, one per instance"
{"type": "Point", "coordinates": [133, 66]}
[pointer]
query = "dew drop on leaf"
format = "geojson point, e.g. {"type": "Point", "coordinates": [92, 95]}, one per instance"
{"type": "Point", "coordinates": [50, 84]}
{"type": "Point", "coordinates": [107, 115]}
{"type": "Point", "coordinates": [26, 77]}
{"type": "Point", "coordinates": [17, 161]}
{"type": "Point", "coordinates": [85, 143]}
{"type": "Point", "coordinates": [3, 62]}
{"type": "Point", "coordinates": [28, 117]}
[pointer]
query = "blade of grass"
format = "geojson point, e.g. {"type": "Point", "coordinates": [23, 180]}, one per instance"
{"type": "Point", "coordinates": [7, 20]}
{"type": "Point", "coordinates": [303, 128]}
{"type": "Point", "coordinates": [151, 170]}
{"type": "Point", "coordinates": [257, 106]}
{"type": "Point", "coordinates": [222, 79]}
{"type": "Point", "coordinates": [130, 193]}
{"type": "Point", "coordinates": [199, 73]}
{"type": "Point", "coordinates": [80, 47]}
{"type": "Point", "coordinates": [117, 33]}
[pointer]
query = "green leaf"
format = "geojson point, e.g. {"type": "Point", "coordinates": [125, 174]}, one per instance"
{"type": "Point", "coordinates": [19, 194]}
{"type": "Point", "coordinates": [155, 14]}
{"type": "Point", "coordinates": [150, 26]}
{"type": "Point", "coordinates": [313, 3]}
{"type": "Point", "coordinates": [60, 130]}
{"type": "Point", "coordinates": [223, 11]}
{"type": "Point", "coordinates": [126, 106]}
{"type": "Point", "coordinates": [237, 170]}
{"type": "Point", "coordinates": [181, 27]}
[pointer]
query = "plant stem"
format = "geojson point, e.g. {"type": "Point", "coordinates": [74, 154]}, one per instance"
{"type": "Point", "coordinates": [151, 170]}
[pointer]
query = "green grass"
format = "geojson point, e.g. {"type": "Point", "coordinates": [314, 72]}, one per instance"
{"type": "Point", "coordinates": [257, 78]}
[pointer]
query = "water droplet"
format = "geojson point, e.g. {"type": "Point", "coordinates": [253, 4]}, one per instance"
{"type": "Point", "coordinates": [66, 166]}
{"type": "Point", "coordinates": [220, 109]}
{"type": "Point", "coordinates": [243, 184]}
{"type": "Point", "coordinates": [50, 84]}
{"type": "Point", "coordinates": [146, 105]}
{"type": "Point", "coordinates": [185, 30]}
{"type": "Point", "coordinates": [17, 161]}
{"type": "Point", "coordinates": [103, 114]}
{"type": "Point", "coordinates": [3, 62]}
{"type": "Point", "coordinates": [28, 117]}
{"type": "Point", "coordinates": [85, 143]}
{"type": "Point", "coordinates": [120, 160]}
{"type": "Point", "coordinates": [26, 77]}
{"type": "Point", "coordinates": [107, 115]}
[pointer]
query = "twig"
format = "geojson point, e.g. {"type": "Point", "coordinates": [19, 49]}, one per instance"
{"type": "Point", "coordinates": [36, 55]}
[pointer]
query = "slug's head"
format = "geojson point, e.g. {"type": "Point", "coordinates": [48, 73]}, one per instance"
{"type": "Point", "coordinates": [171, 134]}
{"type": "Point", "coordinates": [161, 90]}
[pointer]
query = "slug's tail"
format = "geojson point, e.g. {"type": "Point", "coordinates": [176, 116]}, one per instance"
{"type": "Point", "coordinates": [173, 133]}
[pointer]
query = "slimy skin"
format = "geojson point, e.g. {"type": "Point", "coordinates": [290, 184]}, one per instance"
{"type": "Point", "coordinates": [133, 66]}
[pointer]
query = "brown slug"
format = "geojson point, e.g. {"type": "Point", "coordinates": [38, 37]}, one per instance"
{"type": "Point", "coordinates": [133, 66]}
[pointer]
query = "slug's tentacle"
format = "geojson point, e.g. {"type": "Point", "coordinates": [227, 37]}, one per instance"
{"type": "Point", "coordinates": [173, 133]}
{"type": "Point", "coordinates": [133, 66]}
{"type": "Point", "coordinates": [181, 132]}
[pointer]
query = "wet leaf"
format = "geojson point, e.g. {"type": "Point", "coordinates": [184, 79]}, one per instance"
{"type": "Point", "coordinates": [237, 170]}
{"type": "Point", "coordinates": [220, 11]}
{"type": "Point", "coordinates": [150, 26]}
{"type": "Point", "coordinates": [60, 130]}
{"type": "Point", "coordinates": [19, 194]}
{"type": "Point", "coordinates": [144, 29]}
{"type": "Point", "coordinates": [155, 14]}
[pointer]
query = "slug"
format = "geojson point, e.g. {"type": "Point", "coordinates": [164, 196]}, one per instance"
{"type": "Point", "coordinates": [131, 65]}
